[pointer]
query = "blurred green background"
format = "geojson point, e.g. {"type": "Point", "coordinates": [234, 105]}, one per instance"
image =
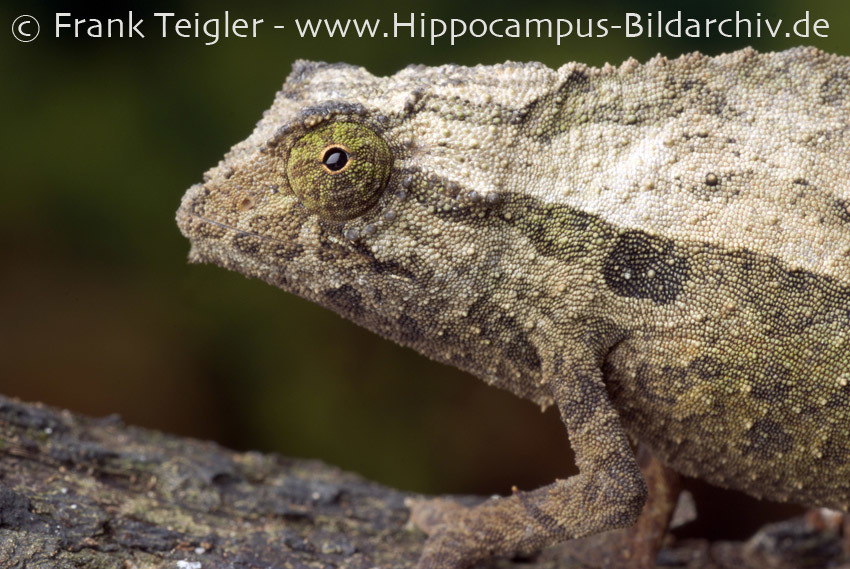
{"type": "Point", "coordinates": [100, 313]}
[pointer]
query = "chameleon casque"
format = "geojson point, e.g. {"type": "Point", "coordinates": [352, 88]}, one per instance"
{"type": "Point", "coordinates": [660, 250]}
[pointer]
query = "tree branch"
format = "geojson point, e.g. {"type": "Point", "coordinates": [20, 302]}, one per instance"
{"type": "Point", "coordinates": [95, 493]}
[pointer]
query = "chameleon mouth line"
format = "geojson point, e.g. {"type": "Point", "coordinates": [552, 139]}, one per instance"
{"type": "Point", "coordinates": [230, 227]}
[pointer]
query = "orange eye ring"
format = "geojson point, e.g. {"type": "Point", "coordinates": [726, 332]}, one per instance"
{"type": "Point", "coordinates": [335, 159]}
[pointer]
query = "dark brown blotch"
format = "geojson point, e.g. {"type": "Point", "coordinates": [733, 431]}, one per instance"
{"type": "Point", "coordinates": [772, 383]}
{"type": "Point", "coordinates": [287, 251]}
{"type": "Point", "coordinates": [505, 333]}
{"type": "Point", "coordinates": [781, 315]}
{"type": "Point", "coordinates": [840, 398]}
{"type": "Point", "coordinates": [698, 94]}
{"type": "Point", "coordinates": [330, 251]}
{"type": "Point", "coordinates": [584, 401]}
{"type": "Point", "coordinates": [706, 369]}
{"type": "Point", "coordinates": [543, 117]}
{"type": "Point", "coordinates": [521, 350]}
{"type": "Point", "coordinates": [798, 281]}
{"type": "Point", "coordinates": [836, 89]}
{"type": "Point", "coordinates": [767, 438]}
{"type": "Point", "coordinates": [653, 382]}
{"type": "Point", "coordinates": [842, 210]}
{"type": "Point", "coordinates": [410, 330]}
{"type": "Point", "coordinates": [345, 299]}
{"type": "Point", "coordinates": [835, 451]}
{"type": "Point", "coordinates": [643, 266]}
{"type": "Point", "coordinates": [382, 267]}
{"type": "Point", "coordinates": [248, 244]}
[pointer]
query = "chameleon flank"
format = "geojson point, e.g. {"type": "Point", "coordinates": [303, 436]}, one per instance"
{"type": "Point", "coordinates": [660, 250]}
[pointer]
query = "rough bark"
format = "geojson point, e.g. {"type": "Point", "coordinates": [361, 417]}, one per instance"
{"type": "Point", "coordinates": [94, 493]}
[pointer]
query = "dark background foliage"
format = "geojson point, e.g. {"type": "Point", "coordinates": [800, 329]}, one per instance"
{"type": "Point", "coordinates": [100, 313]}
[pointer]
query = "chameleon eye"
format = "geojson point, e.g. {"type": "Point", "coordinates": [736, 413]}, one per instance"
{"type": "Point", "coordinates": [339, 170]}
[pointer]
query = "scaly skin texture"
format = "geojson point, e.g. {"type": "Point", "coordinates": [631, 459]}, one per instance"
{"type": "Point", "coordinates": [661, 250]}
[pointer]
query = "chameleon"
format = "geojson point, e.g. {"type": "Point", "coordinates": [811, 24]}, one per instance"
{"type": "Point", "coordinates": [661, 250]}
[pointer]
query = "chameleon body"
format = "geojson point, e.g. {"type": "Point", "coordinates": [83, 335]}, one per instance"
{"type": "Point", "coordinates": [660, 250]}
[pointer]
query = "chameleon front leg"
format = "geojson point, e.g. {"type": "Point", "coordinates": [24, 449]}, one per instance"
{"type": "Point", "coordinates": [637, 546]}
{"type": "Point", "coordinates": [607, 493]}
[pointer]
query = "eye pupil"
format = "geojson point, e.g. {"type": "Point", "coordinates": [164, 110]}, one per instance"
{"type": "Point", "coordinates": [335, 159]}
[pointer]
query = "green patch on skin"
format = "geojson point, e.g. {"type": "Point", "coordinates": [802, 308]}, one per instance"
{"type": "Point", "coordinates": [339, 170]}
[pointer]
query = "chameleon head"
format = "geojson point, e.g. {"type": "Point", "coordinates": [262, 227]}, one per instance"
{"type": "Point", "coordinates": [347, 195]}
{"type": "Point", "coordinates": [298, 201]}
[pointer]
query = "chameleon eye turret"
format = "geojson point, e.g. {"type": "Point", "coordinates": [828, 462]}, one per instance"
{"type": "Point", "coordinates": [339, 170]}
